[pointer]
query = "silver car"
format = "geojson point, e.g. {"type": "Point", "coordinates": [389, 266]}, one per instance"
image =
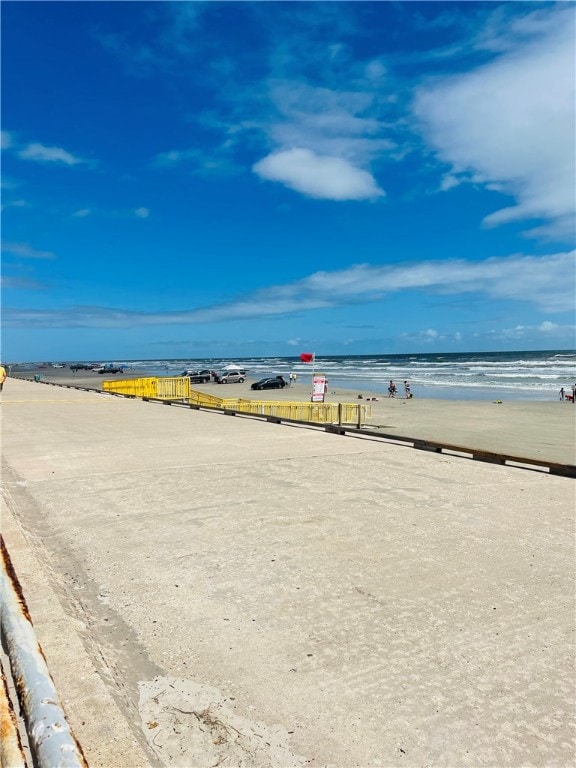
{"type": "Point", "coordinates": [228, 377]}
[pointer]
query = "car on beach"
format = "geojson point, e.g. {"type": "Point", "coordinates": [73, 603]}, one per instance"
{"type": "Point", "coordinates": [80, 367]}
{"type": "Point", "coordinates": [273, 382]}
{"type": "Point", "coordinates": [230, 377]}
{"type": "Point", "coordinates": [109, 369]}
{"type": "Point", "coordinates": [198, 377]}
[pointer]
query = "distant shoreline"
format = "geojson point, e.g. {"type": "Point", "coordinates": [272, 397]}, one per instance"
{"type": "Point", "coordinates": [533, 429]}
{"type": "Point", "coordinates": [369, 387]}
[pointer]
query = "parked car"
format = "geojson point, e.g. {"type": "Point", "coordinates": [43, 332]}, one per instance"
{"type": "Point", "coordinates": [231, 376]}
{"type": "Point", "coordinates": [80, 367]}
{"type": "Point", "coordinates": [276, 382]}
{"type": "Point", "coordinates": [109, 369]}
{"type": "Point", "coordinates": [197, 377]}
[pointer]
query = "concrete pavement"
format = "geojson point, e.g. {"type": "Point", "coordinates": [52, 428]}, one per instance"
{"type": "Point", "coordinates": [218, 590]}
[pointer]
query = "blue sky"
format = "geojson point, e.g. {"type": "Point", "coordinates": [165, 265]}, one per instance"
{"type": "Point", "coordinates": [266, 178]}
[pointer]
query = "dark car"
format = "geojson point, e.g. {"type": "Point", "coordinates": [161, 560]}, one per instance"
{"type": "Point", "coordinates": [110, 369]}
{"type": "Point", "coordinates": [80, 367]}
{"type": "Point", "coordinates": [197, 377]}
{"type": "Point", "coordinates": [277, 382]}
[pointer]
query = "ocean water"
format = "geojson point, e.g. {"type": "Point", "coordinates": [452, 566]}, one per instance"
{"type": "Point", "coordinates": [455, 376]}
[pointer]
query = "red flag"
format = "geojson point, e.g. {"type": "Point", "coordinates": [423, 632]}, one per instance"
{"type": "Point", "coordinates": [307, 357]}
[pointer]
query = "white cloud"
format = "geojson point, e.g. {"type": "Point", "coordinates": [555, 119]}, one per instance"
{"type": "Point", "coordinates": [325, 140]}
{"type": "Point", "coordinates": [6, 183]}
{"type": "Point", "coordinates": [329, 178]}
{"type": "Point", "coordinates": [449, 181]}
{"type": "Point", "coordinates": [15, 204]}
{"type": "Point", "coordinates": [511, 122]}
{"type": "Point", "coordinates": [6, 140]}
{"type": "Point", "coordinates": [20, 283]}
{"type": "Point", "coordinates": [25, 251]}
{"type": "Point", "coordinates": [175, 156]}
{"type": "Point", "coordinates": [547, 326]}
{"type": "Point", "coordinates": [140, 213]}
{"type": "Point", "coordinates": [43, 154]}
{"type": "Point", "coordinates": [546, 282]}
{"type": "Point", "coordinates": [543, 330]}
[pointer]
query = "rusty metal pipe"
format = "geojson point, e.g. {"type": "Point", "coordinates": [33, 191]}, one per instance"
{"type": "Point", "coordinates": [11, 751]}
{"type": "Point", "coordinates": [50, 737]}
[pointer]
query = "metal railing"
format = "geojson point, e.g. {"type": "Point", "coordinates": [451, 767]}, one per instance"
{"type": "Point", "coordinates": [50, 737]}
{"type": "Point", "coordinates": [359, 431]}
{"type": "Point", "coordinates": [178, 388]}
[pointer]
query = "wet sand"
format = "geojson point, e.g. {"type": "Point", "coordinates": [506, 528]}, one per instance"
{"type": "Point", "coordinates": [529, 429]}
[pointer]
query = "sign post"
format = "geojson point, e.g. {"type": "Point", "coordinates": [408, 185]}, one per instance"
{"type": "Point", "coordinates": [318, 387]}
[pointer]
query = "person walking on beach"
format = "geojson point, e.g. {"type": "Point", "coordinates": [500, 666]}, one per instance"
{"type": "Point", "coordinates": [561, 393]}
{"type": "Point", "coordinates": [2, 377]}
{"type": "Point", "coordinates": [407, 392]}
{"type": "Point", "coordinates": [391, 389]}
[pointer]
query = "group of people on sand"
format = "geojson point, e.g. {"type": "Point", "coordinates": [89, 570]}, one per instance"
{"type": "Point", "coordinates": [392, 389]}
{"type": "Point", "coordinates": [565, 396]}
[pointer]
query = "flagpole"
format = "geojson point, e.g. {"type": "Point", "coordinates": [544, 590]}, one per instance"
{"type": "Point", "coordinates": [310, 357]}
{"type": "Point", "coordinates": [313, 367]}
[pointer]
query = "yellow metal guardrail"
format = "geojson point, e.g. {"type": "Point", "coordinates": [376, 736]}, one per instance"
{"type": "Point", "coordinates": [178, 388]}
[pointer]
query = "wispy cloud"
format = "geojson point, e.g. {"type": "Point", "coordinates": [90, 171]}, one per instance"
{"type": "Point", "coordinates": [215, 161]}
{"type": "Point", "coordinates": [43, 154]}
{"type": "Point", "coordinates": [507, 124]}
{"type": "Point", "coordinates": [139, 213]}
{"type": "Point", "coordinates": [544, 329]}
{"type": "Point", "coordinates": [40, 153]}
{"type": "Point", "coordinates": [177, 156]}
{"type": "Point", "coordinates": [511, 122]}
{"type": "Point", "coordinates": [6, 139]}
{"type": "Point", "coordinates": [333, 117]}
{"type": "Point", "coordinates": [26, 251]}
{"type": "Point", "coordinates": [326, 140]}
{"type": "Point", "coordinates": [21, 283]}
{"type": "Point", "coordinates": [15, 204]}
{"type": "Point", "coordinates": [546, 282]}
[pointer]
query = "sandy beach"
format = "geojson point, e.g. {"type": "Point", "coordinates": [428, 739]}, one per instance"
{"type": "Point", "coordinates": [226, 591]}
{"type": "Point", "coordinates": [530, 429]}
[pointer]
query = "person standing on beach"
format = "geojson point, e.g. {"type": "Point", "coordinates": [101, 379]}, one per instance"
{"type": "Point", "coordinates": [561, 393]}
{"type": "Point", "coordinates": [391, 389]}
{"type": "Point", "coordinates": [2, 377]}
{"type": "Point", "coordinates": [407, 393]}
